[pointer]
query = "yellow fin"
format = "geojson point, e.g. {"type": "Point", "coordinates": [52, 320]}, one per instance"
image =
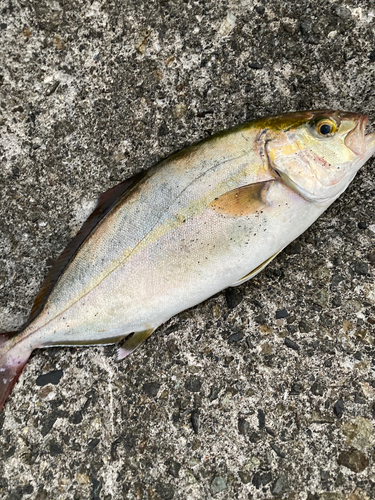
{"type": "Point", "coordinates": [241, 201]}
{"type": "Point", "coordinates": [255, 271]}
{"type": "Point", "coordinates": [132, 342]}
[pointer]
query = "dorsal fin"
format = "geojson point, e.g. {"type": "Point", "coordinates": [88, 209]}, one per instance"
{"type": "Point", "coordinates": [105, 203]}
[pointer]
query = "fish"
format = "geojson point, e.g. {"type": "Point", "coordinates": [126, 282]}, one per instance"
{"type": "Point", "coordinates": [206, 218]}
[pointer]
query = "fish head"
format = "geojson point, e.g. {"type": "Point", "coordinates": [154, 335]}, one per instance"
{"type": "Point", "coordinates": [317, 153]}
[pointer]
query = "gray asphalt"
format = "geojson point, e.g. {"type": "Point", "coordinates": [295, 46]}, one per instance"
{"type": "Point", "coordinates": [265, 391]}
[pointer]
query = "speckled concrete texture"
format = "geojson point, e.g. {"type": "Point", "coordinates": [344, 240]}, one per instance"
{"type": "Point", "coordinates": [265, 391]}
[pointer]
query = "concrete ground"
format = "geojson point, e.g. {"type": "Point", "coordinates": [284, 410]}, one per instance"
{"type": "Point", "coordinates": [265, 391]}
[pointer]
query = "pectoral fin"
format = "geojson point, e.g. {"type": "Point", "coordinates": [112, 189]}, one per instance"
{"type": "Point", "coordinates": [242, 201]}
{"type": "Point", "coordinates": [132, 342]}
{"type": "Point", "coordinates": [255, 271]}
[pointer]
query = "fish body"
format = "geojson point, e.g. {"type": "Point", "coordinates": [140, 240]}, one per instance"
{"type": "Point", "coordinates": [204, 219]}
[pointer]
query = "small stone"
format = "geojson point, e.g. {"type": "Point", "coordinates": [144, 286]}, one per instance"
{"type": "Point", "coordinates": [243, 426]}
{"type": "Point", "coordinates": [214, 393]}
{"type": "Point", "coordinates": [163, 130]}
{"type": "Point", "coordinates": [371, 56]}
{"type": "Point", "coordinates": [261, 319]}
{"type": "Point", "coordinates": [49, 378]}
{"type": "Point", "coordinates": [57, 42]}
{"type": "Point", "coordinates": [267, 348]}
{"type": "Point", "coordinates": [312, 496]}
{"type": "Point", "coordinates": [277, 450]}
{"type": "Point", "coordinates": [164, 491]}
{"type": "Point", "coordinates": [228, 360]}
{"type": "Point", "coordinates": [358, 495]}
{"type": "Point", "coordinates": [362, 225]}
{"type": "Point", "coordinates": [233, 296]}
{"type": "Point", "coordinates": [271, 432]}
{"type": "Point", "coordinates": [93, 444]}
{"type": "Point", "coordinates": [168, 62]}
{"type": "Point", "coordinates": [151, 389]}
{"type": "Point", "coordinates": [282, 313]}
{"type": "Point", "coordinates": [244, 476]}
{"type": "Point", "coordinates": [353, 460]}
{"type": "Point", "coordinates": [195, 420]}
{"type": "Point", "coordinates": [261, 419]}
{"type": "Point", "coordinates": [343, 12]}
{"type": "Point", "coordinates": [358, 432]}
{"type": "Point", "coordinates": [291, 344]}
{"type": "Point", "coordinates": [179, 111]}
{"type": "Point", "coordinates": [255, 437]}
{"type": "Point", "coordinates": [293, 249]}
{"type": "Point", "coordinates": [338, 408]}
{"type": "Point", "coordinates": [76, 418]}
{"type": "Point", "coordinates": [261, 479]}
{"type": "Point", "coordinates": [196, 445]}
{"type": "Point", "coordinates": [174, 468]}
{"type": "Point", "coordinates": [336, 301]}
{"type": "Point", "coordinates": [305, 327]}
{"type": "Point", "coordinates": [235, 337]}
{"type": "Point", "coordinates": [352, 306]}
{"type": "Point", "coordinates": [321, 418]}
{"type": "Point", "coordinates": [255, 65]}
{"type": "Point", "coordinates": [321, 298]}
{"type": "Point", "coordinates": [331, 495]}
{"type": "Point", "coordinates": [226, 78]}
{"type": "Point", "coordinates": [317, 388]}
{"type": "Point", "coordinates": [55, 449]}
{"type": "Point", "coordinates": [158, 75]}
{"type": "Point", "coordinates": [361, 268]}
{"type": "Point", "coordinates": [281, 485]}
{"type": "Point", "coordinates": [96, 488]}
{"type": "Point", "coordinates": [141, 46]}
{"type": "Point", "coordinates": [371, 257]}
{"type": "Point", "coordinates": [336, 280]}
{"type": "Point", "coordinates": [295, 389]}
{"type": "Point", "coordinates": [26, 32]}
{"type": "Point", "coordinates": [359, 400]}
{"type": "Point", "coordinates": [193, 384]}
{"type": "Point", "coordinates": [218, 484]}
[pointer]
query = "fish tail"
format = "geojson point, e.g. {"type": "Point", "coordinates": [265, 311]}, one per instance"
{"type": "Point", "coordinates": [12, 361]}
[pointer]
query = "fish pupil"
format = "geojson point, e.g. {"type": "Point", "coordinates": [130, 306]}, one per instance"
{"type": "Point", "coordinates": [325, 129]}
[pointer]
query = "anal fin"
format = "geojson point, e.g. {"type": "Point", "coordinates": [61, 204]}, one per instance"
{"type": "Point", "coordinates": [132, 342]}
{"type": "Point", "coordinates": [255, 271]}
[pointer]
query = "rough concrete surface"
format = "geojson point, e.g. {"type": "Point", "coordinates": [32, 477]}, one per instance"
{"type": "Point", "coordinates": [265, 391]}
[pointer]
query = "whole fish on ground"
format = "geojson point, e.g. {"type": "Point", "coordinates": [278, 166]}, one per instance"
{"type": "Point", "coordinates": [206, 218]}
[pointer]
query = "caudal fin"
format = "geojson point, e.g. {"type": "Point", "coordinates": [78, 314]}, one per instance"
{"type": "Point", "coordinates": [12, 362]}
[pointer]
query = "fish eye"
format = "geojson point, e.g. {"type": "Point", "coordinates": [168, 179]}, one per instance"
{"type": "Point", "coordinates": [325, 127]}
